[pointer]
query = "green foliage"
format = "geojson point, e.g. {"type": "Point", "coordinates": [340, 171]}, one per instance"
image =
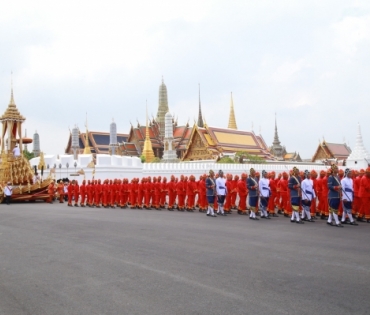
{"type": "Point", "coordinates": [243, 157]}
{"type": "Point", "coordinates": [156, 160]}
{"type": "Point", "coordinates": [226, 160]}
{"type": "Point", "coordinates": [142, 158]}
{"type": "Point", "coordinates": [28, 155]}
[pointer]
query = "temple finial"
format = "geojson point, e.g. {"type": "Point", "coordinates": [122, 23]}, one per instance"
{"type": "Point", "coordinates": [232, 121]}
{"type": "Point", "coordinates": [11, 90]}
{"type": "Point", "coordinates": [200, 118]}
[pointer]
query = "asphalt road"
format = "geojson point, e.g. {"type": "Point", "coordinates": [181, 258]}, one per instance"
{"type": "Point", "coordinates": [60, 260]}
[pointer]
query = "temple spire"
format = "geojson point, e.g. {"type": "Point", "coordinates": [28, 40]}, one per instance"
{"type": "Point", "coordinates": [162, 108]}
{"type": "Point", "coordinates": [147, 150]}
{"type": "Point", "coordinates": [200, 118]}
{"type": "Point", "coordinates": [276, 136]}
{"type": "Point", "coordinates": [11, 92]}
{"type": "Point", "coordinates": [359, 151]}
{"type": "Point", "coordinates": [87, 149]}
{"type": "Point", "coordinates": [232, 121]}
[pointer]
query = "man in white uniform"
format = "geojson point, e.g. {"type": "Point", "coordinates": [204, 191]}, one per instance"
{"type": "Point", "coordinates": [16, 151]}
{"type": "Point", "coordinates": [221, 192]}
{"type": "Point", "coordinates": [308, 194]}
{"type": "Point", "coordinates": [347, 197]}
{"type": "Point", "coordinates": [264, 189]}
{"type": "Point", "coordinates": [8, 191]}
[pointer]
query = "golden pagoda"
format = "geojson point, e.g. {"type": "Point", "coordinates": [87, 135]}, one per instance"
{"type": "Point", "coordinates": [17, 170]}
{"type": "Point", "coordinates": [232, 121]}
{"type": "Point", "coordinates": [87, 149]}
{"type": "Point", "coordinates": [147, 150]}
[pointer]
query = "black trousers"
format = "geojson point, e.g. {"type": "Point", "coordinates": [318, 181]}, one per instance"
{"type": "Point", "coordinates": [7, 199]}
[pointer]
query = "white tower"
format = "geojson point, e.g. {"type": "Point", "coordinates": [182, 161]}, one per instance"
{"type": "Point", "coordinates": [36, 144]}
{"type": "Point", "coordinates": [359, 157]}
{"type": "Point", "coordinates": [113, 144]}
{"type": "Point", "coordinates": [75, 142]}
{"type": "Point", "coordinates": [169, 154]}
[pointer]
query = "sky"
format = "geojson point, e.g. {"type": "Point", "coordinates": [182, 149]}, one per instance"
{"type": "Point", "coordinates": [306, 61]}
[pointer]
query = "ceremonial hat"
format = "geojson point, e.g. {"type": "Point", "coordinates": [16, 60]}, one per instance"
{"type": "Point", "coordinates": [252, 170]}
{"type": "Point", "coordinates": [306, 173]}
{"type": "Point", "coordinates": [264, 172]}
{"type": "Point", "coordinates": [322, 172]}
{"type": "Point", "coordinates": [244, 175]}
{"type": "Point", "coordinates": [347, 171]}
{"type": "Point", "coordinates": [367, 170]}
{"type": "Point", "coordinates": [362, 171]}
{"type": "Point", "coordinates": [211, 172]}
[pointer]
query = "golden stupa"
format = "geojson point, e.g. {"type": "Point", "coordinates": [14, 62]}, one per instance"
{"type": "Point", "coordinates": [17, 170]}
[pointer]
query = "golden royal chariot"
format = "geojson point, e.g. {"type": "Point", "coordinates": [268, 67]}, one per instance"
{"type": "Point", "coordinates": [17, 170]}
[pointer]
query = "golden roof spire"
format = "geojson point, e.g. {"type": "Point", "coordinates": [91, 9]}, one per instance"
{"type": "Point", "coordinates": [87, 149]}
{"type": "Point", "coordinates": [232, 121]}
{"type": "Point", "coordinates": [12, 113]}
{"type": "Point", "coordinates": [147, 150]}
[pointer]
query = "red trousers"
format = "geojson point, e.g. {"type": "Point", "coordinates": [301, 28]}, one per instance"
{"type": "Point", "coordinates": [242, 202]}
{"type": "Point", "coordinates": [233, 199]}
{"type": "Point", "coordinates": [271, 204]}
{"type": "Point", "coordinates": [181, 201]}
{"type": "Point", "coordinates": [163, 198]}
{"type": "Point", "coordinates": [190, 201]}
{"type": "Point", "coordinates": [227, 205]}
{"type": "Point", "coordinates": [365, 207]}
{"type": "Point", "coordinates": [171, 199]}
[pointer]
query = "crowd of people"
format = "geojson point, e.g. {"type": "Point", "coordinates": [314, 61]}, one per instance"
{"type": "Point", "coordinates": [340, 197]}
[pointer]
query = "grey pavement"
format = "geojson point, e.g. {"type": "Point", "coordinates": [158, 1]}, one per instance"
{"type": "Point", "coordinates": [60, 260]}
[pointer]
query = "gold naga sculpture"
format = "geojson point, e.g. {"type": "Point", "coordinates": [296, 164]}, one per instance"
{"type": "Point", "coordinates": [14, 166]}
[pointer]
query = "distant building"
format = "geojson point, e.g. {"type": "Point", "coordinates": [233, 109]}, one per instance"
{"type": "Point", "coordinates": [330, 153]}
{"type": "Point", "coordinates": [98, 142]}
{"type": "Point", "coordinates": [279, 151]}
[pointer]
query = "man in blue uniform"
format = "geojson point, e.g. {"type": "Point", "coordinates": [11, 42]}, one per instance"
{"type": "Point", "coordinates": [252, 184]}
{"type": "Point", "coordinates": [294, 186]}
{"type": "Point", "coordinates": [334, 197]}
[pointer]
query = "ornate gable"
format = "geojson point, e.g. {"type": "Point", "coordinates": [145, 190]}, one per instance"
{"type": "Point", "coordinates": [197, 149]}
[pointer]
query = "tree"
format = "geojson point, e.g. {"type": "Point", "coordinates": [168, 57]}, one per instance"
{"type": "Point", "coordinates": [142, 158]}
{"type": "Point", "coordinates": [243, 157]}
{"type": "Point", "coordinates": [156, 160]}
{"type": "Point", "coordinates": [28, 155]}
{"type": "Point", "coordinates": [226, 160]}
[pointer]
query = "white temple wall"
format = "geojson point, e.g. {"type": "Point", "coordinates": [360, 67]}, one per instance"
{"type": "Point", "coordinates": [111, 167]}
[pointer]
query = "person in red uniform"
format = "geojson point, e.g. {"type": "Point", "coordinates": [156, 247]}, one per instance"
{"type": "Point", "coordinates": [113, 193]}
{"type": "Point", "coordinates": [51, 191]}
{"type": "Point", "coordinates": [273, 189]}
{"type": "Point", "coordinates": [157, 192]}
{"type": "Point", "coordinates": [76, 193]}
{"type": "Point", "coordinates": [234, 191]}
{"type": "Point", "coordinates": [243, 193]}
{"type": "Point", "coordinates": [358, 200]}
{"type": "Point", "coordinates": [191, 190]}
{"type": "Point", "coordinates": [340, 209]}
{"type": "Point", "coordinates": [148, 189]}
{"type": "Point", "coordinates": [151, 192]}
{"type": "Point", "coordinates": [278, 197]}
{"type": "Point", "coordinates": [202, 194]}
{"type": "Point", "coordinates": [141, 193]}
{"type": "Point", "coordinates": [125, 193]}
{"type": "Point", "coordinates": [83, 193]}
{"type": "Point", "coordinates": [70, 192]}
{"type": "Point", "coordinates": [96, 191]}
{"type": "Point", "coordinates": [180, 190]}
{"type": "Point", "coordinates": [171, 193]}
{"type": "Point", "coordinates": [229, 188]}
{"type": "Point", "coordinates": [60, 189]}
{"type": "Point", "coordinates": [283, 188]}
{"type": "Point", "coordinates": [364, 194]}
{"type": "Point", "coordinates": [325, 194]}
{"type": "Point", "coordinates": [104, 200]}
{"type": "Point", "coordinates": [320, 205]}
{"type": "Point", "coordinates": [164, 192]}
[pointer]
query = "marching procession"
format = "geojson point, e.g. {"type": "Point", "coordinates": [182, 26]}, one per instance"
{"type": "Point", "coordinates": [340, 197]}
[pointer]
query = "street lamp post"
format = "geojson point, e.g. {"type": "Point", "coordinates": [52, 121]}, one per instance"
{"type": "Point", "coordinates": [60, 170]}
{"type": "Point", "coordinates": [67, 165]}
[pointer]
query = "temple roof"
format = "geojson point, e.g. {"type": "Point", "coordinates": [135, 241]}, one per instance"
{"type": "Point", "coordinates": [327, 150]}
{"type": "Point", "coordinates": [220, 140]}
{"type": "Point", "coordinates": [99, 141]}
{"type": "Point", "coordinates": [12, 113]}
